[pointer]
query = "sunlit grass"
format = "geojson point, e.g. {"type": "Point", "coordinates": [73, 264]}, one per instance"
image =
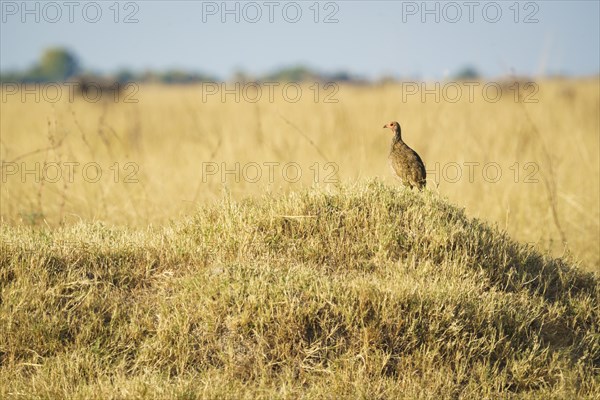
{"type": "Point", "coordinates": [154, 154]}
{"type": "Point", "coordinates": [362, 291]}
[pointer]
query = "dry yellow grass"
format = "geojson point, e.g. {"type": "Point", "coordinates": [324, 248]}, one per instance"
{"type": "Point", "coordinates": [365, 291]}
{"type": "Point", "coordinates": [171, 132]}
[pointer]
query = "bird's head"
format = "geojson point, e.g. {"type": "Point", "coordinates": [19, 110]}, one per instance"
{"type": "Point", "coordinates": [394, 126]}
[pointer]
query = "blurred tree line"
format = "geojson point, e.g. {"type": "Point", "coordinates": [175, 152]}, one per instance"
{"type": "Point", "coordinates": [59, 65]}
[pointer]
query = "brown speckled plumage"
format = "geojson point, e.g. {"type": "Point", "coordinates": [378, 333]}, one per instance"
{"type": "Point", "coordinates": [405, 162]}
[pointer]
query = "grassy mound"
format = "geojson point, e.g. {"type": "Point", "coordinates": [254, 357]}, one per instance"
{"type": "Point", "coordinates": [368, 291]}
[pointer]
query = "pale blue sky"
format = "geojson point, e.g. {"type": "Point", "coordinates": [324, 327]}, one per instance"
{"type": "Point", "coordinates": [370, 38]}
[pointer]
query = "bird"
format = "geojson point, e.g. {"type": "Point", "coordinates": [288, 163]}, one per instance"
{"type": "Point", "coordinates": [404, 161]}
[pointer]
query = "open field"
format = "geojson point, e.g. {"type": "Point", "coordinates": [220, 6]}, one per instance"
{"type": "Point", "coordinates": [131, 266]}
{"type": "Point", "coordinates": [155, 155]}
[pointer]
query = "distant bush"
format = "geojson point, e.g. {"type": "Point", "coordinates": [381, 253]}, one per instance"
{"type": "Point", "coordinates": [467, 73]}
{"type": "Point", "coordinates": [55, 65]}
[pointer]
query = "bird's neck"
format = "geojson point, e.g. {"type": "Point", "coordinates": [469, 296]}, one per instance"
{"type": "Point", "coordinates": [397, 138]}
